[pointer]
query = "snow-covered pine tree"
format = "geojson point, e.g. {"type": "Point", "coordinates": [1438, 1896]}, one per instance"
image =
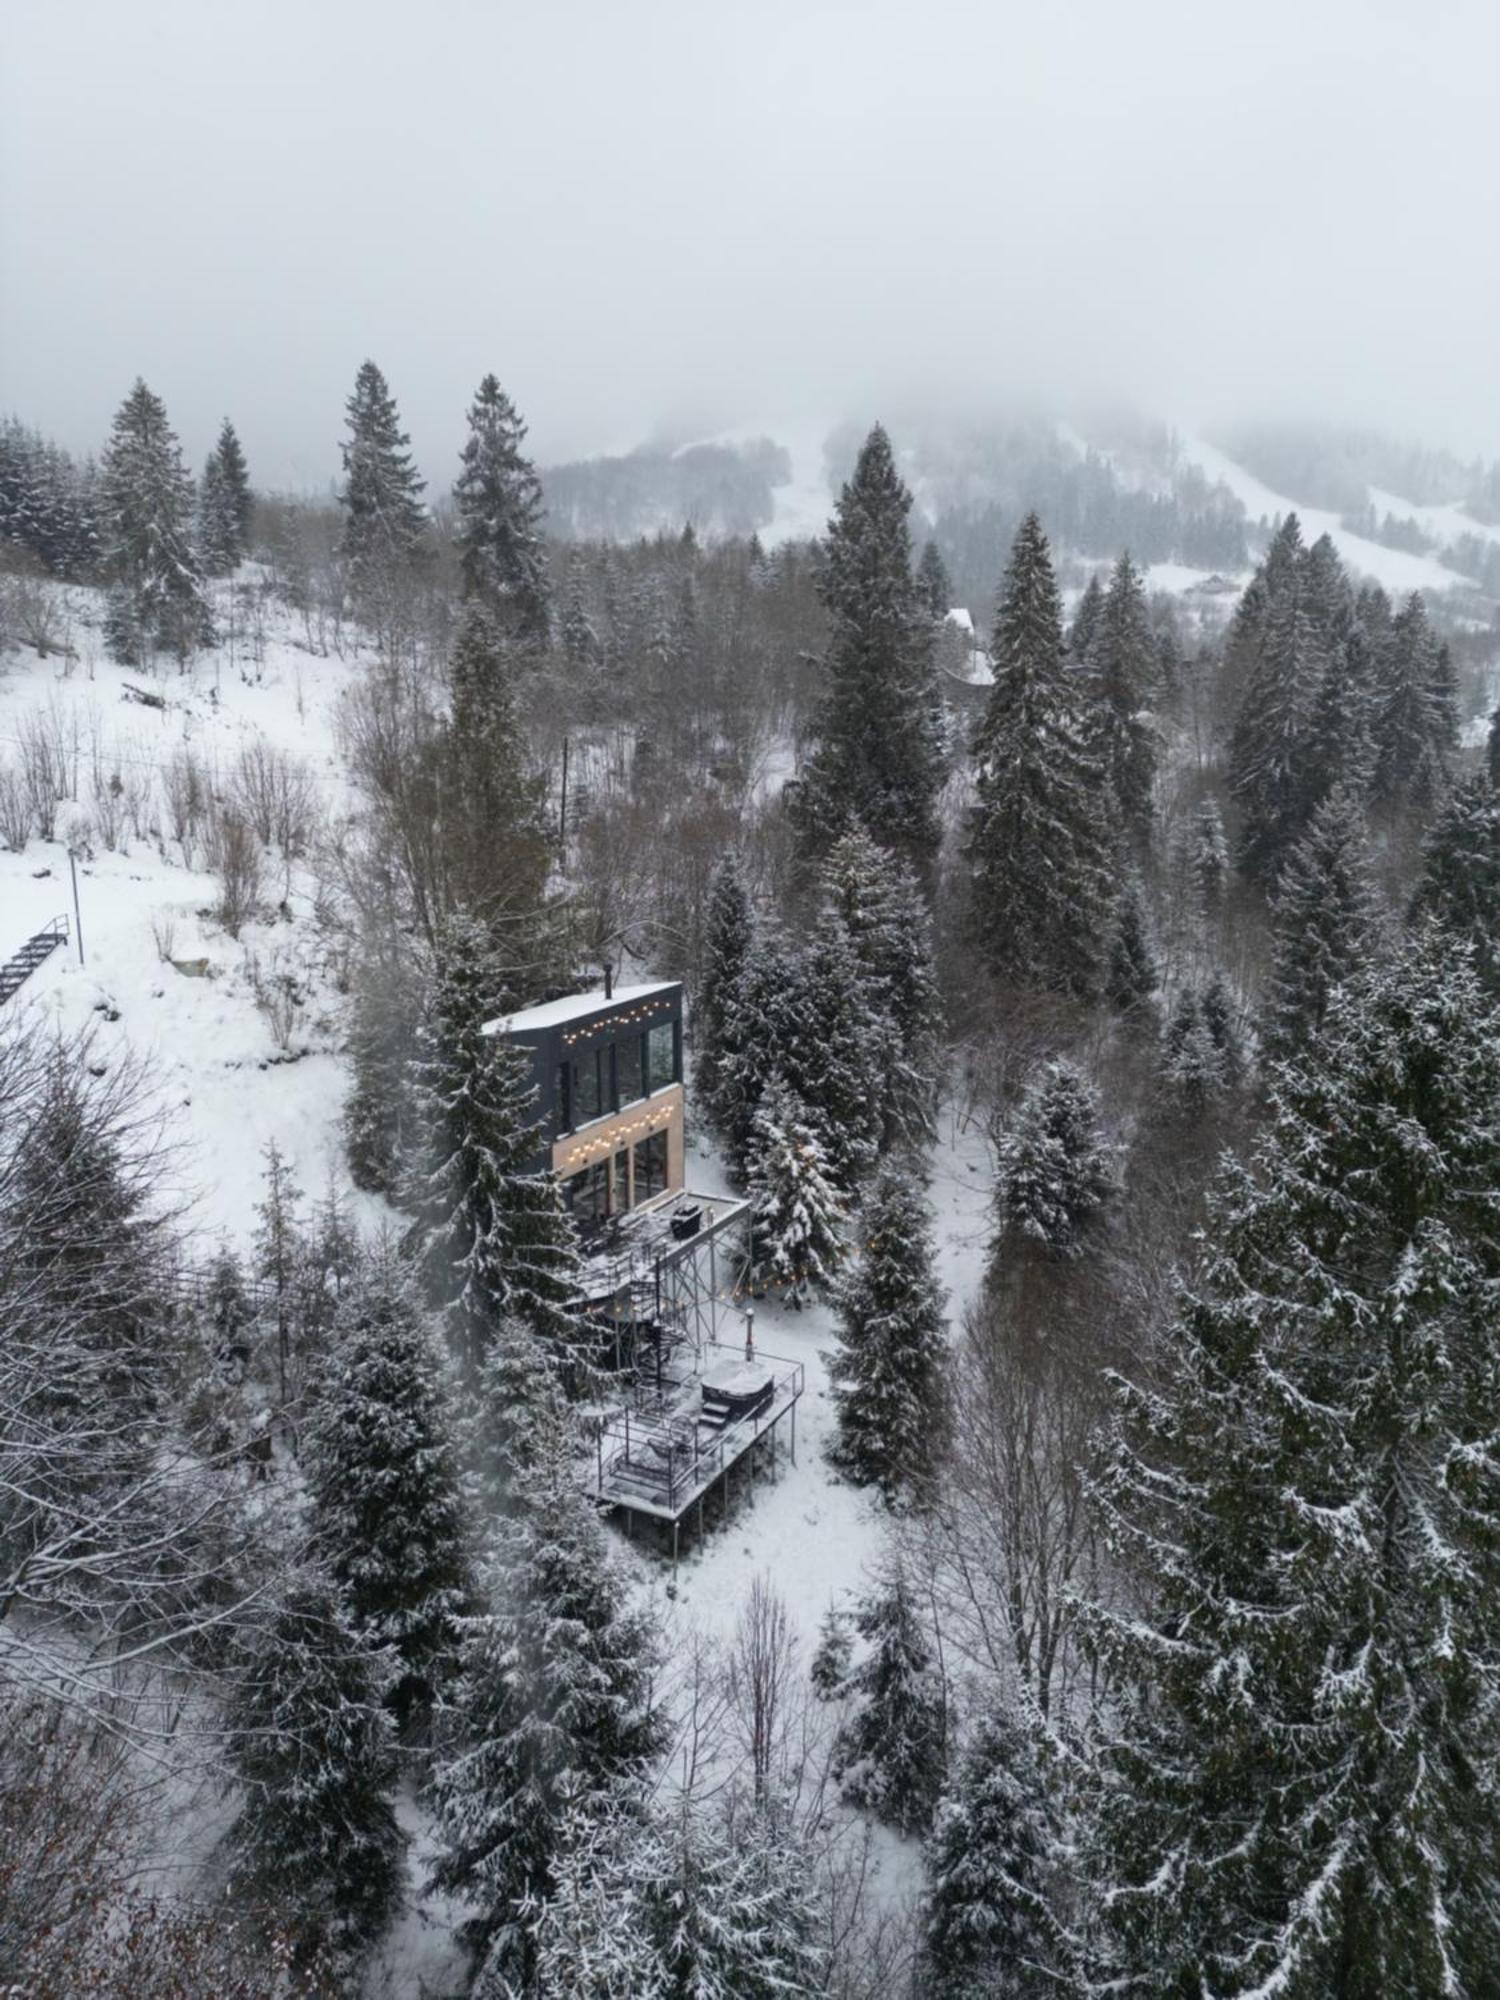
{"type": "Point", "coordinates": [1492, 750]}
{"type": "Point", "coordinates": [681, 1900]}
{"type": "Point", "coordinates": [381, 1045]}
{"type": "Point", "coordinates": [1460, 882]}
{"type": "Point", "coordinates": [230, 1315]}
{"type": "Point", "coordinates": [1293, 1798]}
{"type": "Point", "coordinates": [1268, 746]}
{"type": "Point", "coordinates": [387, 1504]}
{"type": "Point", "coordinates": [498, 498]}
{"type": "Point", "coordinates": [1086, 620]}
{"type": "Point", "coordinates": [1193, 1066]}
{"type": "Point", "coordinates": [147, 554]}
{"type": "Point", "coordinates": [934, 583]}
{"type": "Point", "coordinates": [797, 1212]}
{"type": "Point", "coordinates": [85, 1251]}
{"type": "Point", "coordinates": [1416, 724]}
{"type": "Point", "coordinates": [385, 522]}
{"type": "Point", "coordinates": [891, 1754]}
{"type": "Point", "coordinates": [224, 504]}
{"type": "Point", "coordinates": [889, 1373]}
{"type": "Point", "coordinates": [1326, 922]}
{"type": "Point", "coordinates": [763, 1010]}
{"type": "Point", "coordinates": [877, 759]}
{"type": "Point", "coordinates": [1130, 973]}
{"type": "Point", "coordinates": [890, 928]}
{"type": "Point", "coordinates": [490, 1234]}
{"type": "Point", "coordinates": [834, 1045]}
{"type": "Point", "coordinates": [828, 1670]}
{"type": "Point", "coordinates": [1340, 729]}
{"type": "Point", "coordinates": [1040, 844]}
{"type": "Point", "coordinates": [728, 941]}
{"type": "Point", "coordinates": [520, 1417]}
{"type": "Point", "coordinates": [992, 1931]}
{"type": "Point", "coordinates": [1208, 858]}
{"type": "Point", "coordinates": [1121, 658]}
{"type": "Point", "coordinates": [555, 1696]}
{"type": "Point", "coordinates": [497, 851]}
{"type": "Point", "coordinates": [316, 1847]}
{"type": "Point", "coordinates": [1057, 1171]}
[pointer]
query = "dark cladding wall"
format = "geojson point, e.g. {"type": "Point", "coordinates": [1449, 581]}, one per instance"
{"type": "Point", "coordinates": [595, 1063]}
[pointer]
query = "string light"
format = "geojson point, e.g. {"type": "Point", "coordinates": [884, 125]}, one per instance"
{"type": "Point", "coordinates": [647, 1013]}
{"type": "Point", "coordinates": [609, 1142]}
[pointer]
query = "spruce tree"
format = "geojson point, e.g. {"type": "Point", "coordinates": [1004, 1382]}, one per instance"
{"type": "Point", "coordinates": [381, 1046]}
{"type": "Point", "coordinates": [1268, 746]}
{"type": "Point", "coordinates": [1208, 858]}
{"type": "Point", "coordinates": [498, 497]}
{"type": "Point", "coordinates": [555, 1695]}
{"type": "Point", "coordinates": [1086, 621]}
{"type": "Point", "coordinates": [224, 506]}
{"type": "Point", "coordinates": [1340, 731]}
{"type": "Point", "coordinates": [1294, 1795]}
{"type": "Point", "coordinates": [497, 851]}
{"type": "Point", "coordinates": [1040, 845]}
{"type": "Point", "coordinates": [675, 1900]}
{"type": "Point", "coordinates": [880, 902]}
{"type": "Point", "coordinates": [1325, 920]}
{"type": "Point", "coordinates": [1416, 725]}
{"type": "Point", "coordinates": [384, 520]}
{"type": "Point", "coordinates": [1460, 881]}
{"type": "Point", "coordinates": [762, 1015]}
{"type": "Point", "coordinates": [1122, 660]}
{"type": "Point", "coordinates": [387, 1506]}
{"type": "Point", "coordinates": [490, 1234]}
{"type": "Point", "coordinates": [315, 1845]}
{"type": "Point", "coordinates": [1130, 974]}
{"type": "Point", "coordinates": [1196, 1070]}
{"type": "Point", "coordinates": [877, 759]}
{"type": "Point", "coordinates": [992, 1860]}
{"type": "Point", "coordinates": [728, 941]}
{"type": "Point", "coordinates": [796, 1211]}
{"type": "Point", "coordinates": [891, 1754]}
{"type": "Point", "coordinates": [147, 552]}
{"type": "Point", "coordinates": [889, 1373]}
{"type": "Point", "coordinates": [1057, 1172]}
{"type": "Point", "coordinates": [934, 583]}
{"type": "Point", "coordinates": [835, 1045]}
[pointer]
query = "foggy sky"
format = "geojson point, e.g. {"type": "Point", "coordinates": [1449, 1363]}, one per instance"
{"type": "Point", "coordinates": [692, 214]}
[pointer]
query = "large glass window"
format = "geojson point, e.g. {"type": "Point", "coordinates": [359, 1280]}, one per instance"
{"type": "Point", "coordinates": [620, 1200]}
{"type": "Point", "coordinates": [661, 1055]}
{"type": "Point", "coordinates": [588, 1194]}
{"type": "Point", "coordinates": [587, 1099]}
{"type": "Point", "coordinates": [628, 1068]}
{"type": "Point", "coordinates": [564, 1091]}
{"type": "Point", "coordinates": [650, 1166]}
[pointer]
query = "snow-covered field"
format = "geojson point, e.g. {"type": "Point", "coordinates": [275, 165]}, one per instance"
{"type": "Point", "coordinates": [1394, 569]}
{"type": "Point", "coordinates": [226, 1084]}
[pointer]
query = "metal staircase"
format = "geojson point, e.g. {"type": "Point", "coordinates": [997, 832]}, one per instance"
{"type": "Point", "coordinates": [17, 970]}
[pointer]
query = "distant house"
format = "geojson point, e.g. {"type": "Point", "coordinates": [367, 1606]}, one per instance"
{"type": "Point", "coordinates": [607, 1066]}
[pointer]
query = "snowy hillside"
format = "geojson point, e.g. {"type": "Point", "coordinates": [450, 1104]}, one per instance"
{"type": "Point", "coordinates": [1393, 569]}
{"type": "Point", "coordinates": [234, 1071]}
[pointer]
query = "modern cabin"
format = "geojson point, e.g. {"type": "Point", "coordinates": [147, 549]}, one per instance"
{"type": "Point", "coordinates": [695, 1413]}
{"type": "Point", "coordinates": [607, 1066]}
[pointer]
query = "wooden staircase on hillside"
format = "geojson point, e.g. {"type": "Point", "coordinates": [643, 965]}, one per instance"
{"type": "Point", "coordinates": [17, 970]}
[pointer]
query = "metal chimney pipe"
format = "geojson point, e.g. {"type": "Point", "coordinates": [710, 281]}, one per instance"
{"type": "Point", "coordinates": [609, 980]}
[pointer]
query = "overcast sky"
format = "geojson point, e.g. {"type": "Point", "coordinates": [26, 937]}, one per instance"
{"type": "Point", "coordinates": [687, 213]}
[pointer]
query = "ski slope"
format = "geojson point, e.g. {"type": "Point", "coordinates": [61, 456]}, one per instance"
{"type": "Point", "coordinates": [1393, 569]}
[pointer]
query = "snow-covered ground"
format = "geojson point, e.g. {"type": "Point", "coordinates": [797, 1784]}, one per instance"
{"type": "Point", "coordinates": [226, 1084]}
{"type": "Point", "coordinates": [1393, 569]}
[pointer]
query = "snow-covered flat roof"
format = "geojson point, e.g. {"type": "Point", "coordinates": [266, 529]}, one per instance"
{"type": "Point", "coordinates": [574, 1007]}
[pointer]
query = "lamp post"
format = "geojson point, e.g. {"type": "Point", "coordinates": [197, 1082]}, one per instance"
{"type": "Point", "coordinates": [77, 913]}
